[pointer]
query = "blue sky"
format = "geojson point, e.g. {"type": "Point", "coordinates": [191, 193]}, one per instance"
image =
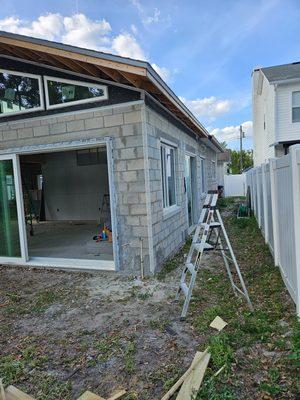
{"type": "Point", "coordinates": [205, 50]}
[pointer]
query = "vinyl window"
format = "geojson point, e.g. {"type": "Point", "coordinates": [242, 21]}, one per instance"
{"type": "Point", "coordinates": [168, 175]}
{"type": "Point", "coordinates": [296, 106]}
{"type": "Point", "coordinates": [19, 93]}
{"type": "Point", "coordinates": [63, 92]}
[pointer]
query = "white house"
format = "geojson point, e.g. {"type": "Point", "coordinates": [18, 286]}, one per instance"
{"type": "Point", "coordinates": [276, 110]}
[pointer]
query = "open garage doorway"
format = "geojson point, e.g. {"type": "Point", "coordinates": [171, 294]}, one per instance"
{"type": "Point", "coordinates": [66, 201]}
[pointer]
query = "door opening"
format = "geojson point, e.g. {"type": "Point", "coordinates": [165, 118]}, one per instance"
{"type": "Point", "coordinates": [189, 183]}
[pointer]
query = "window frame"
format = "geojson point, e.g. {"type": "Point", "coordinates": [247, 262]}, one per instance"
{"type": "Point", "coordinates": [214, 170]}
{"type": "Point", "coordinates": [166, 144]}
{"type": "Point", "coordinates": [76, 83]}
{"type": "Point", "coordinates": [294, 91]}
{"type": "Point", "coordinates": [202, 174]}
{"type": "Point", "coordinates": [41, 92]}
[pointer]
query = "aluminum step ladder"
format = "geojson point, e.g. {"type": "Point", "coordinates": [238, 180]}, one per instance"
{"type": "Point", "coordinates": [210, 226]}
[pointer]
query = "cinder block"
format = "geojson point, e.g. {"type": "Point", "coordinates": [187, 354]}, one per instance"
{"type": "Point", "coordinates": [129, 176]}
{"type": "Point", "coordinates": [135, 164]}
{"type": "Point", "coordinates": [132, 220]}
{"type": "Point", "coordinates": [10, 135]}
{"type": "Point", "coordinates": [102, 113]}
{"type": "Point", "coordinates": [113, 120]}
{"type": "Point", "coordinates": [25, 133]}
{"type": "Point", "coordinates": [57, 128]}
{"type": "Point", "coordinates": [138, 209]}
{"type": "Point", "coordinates": [94, 123]}
{"type": "Point", "coordinates": [75, 126]}
{"type": "Point", "coordinates": [132, 117]}
{"type": "Point", "coordinates": [32, 123]}
{"type": "Point", "coordinates": [42, 130]}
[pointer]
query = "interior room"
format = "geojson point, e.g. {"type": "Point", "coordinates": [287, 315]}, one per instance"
{"type": "Point", "coordinates": [67, 205]}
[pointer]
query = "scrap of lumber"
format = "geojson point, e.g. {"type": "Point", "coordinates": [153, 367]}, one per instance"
{"type": "Point", "coordinates": [218, 323]}
{"type": "Point", "coordinates": [12, 393]}
{"type": "Point", "coordinates": [193, 382]}
{"type": "Point", "coordinates": [117, 395]}
{"type": "Point", "coordinates": [2, 394]}
{"type": "Point", "coordinates": [90, 396]}
{"type": "Point", "coordinates": [175, 387]}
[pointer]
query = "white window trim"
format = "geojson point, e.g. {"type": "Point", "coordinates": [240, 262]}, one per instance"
{"type": "Point", "coordinates": [25, 75]}
{"type": "Point", "coordinates": [77, 83]}
{"type": "Point", "coordinates": [203, 182]}
{"type": "Point", "coordinates": [291, 108]}
{"type": "Point", "coordinates": [173, 207]}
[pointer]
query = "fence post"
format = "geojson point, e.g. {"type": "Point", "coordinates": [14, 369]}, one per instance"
{"type": "Point", "coordinates": [295, 166]}
{"type": "Point", "coordinates": [254, 191]}
{"type": "Point", "coordinates": [274, 212]}
{"type": "Point", "coordinates": [265, 201]}
{"type": "Point", "coordinates": [258, 197]}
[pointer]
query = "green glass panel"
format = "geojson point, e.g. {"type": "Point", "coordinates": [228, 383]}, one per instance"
{"type": "Point", "coordinates": [9, 230]}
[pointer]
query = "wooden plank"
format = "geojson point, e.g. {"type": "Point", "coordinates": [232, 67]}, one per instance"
{"type": "Point", "coordinates": [12, 393]}
{"type": "Point", "coordinates": [75, 56]}
{"type": "Point", "coordinates": [90, 396]}
{"type": "Point", "coordinates": [117, 395]}
{"type": "Point", "coordinates": [218, 323]}
{"type": "Point", "coordinates": [2, 394]}
{"type": "Point", "coordinates": [176, 386]}
{"type": "Point", "coordinates": [193, 382]}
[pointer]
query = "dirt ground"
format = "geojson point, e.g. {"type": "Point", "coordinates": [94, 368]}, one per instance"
{"type": "Point", "coordinates": [66, 332]}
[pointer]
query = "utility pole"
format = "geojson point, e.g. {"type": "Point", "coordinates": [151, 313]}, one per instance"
{"type": "Point", "coordinates": [242, 135]}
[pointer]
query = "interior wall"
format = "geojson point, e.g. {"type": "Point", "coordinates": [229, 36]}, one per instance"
{"type": "Point", "coordinates": [73, 192]}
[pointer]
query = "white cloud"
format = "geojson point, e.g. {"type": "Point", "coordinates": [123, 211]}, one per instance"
{"type": "Point", "coordinates": [126, 45]}
{"type": "Point", "coordinates": [163, 72]}
{"type": "Point", "coordinates": [230, 133]}
{"type": "Point", "coordinates": [208, 108]}
{"type": "Point", "coordinates": [147, 19]}
{"type": "Point", "coordinates": [81, 31]}
{"type": "Point", "coordinates": [84, 32]}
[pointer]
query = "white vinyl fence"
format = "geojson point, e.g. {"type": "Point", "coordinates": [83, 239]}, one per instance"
{"type": "Point", "coordinates": [275, 200]}
{"type": "Point", "coordinates": [235, 185]}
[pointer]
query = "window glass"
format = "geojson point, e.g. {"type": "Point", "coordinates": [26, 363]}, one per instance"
{"type": "Point", "coordinates": [213, 169]}
{"type": "Point", "coordinates": [61, 92]}
{"type": "Point", "coordinates": [168, 175]}
{"type": "Point", "coordinates": [18, 93]}
{"type": "Point", "coordinates": [296, 106]}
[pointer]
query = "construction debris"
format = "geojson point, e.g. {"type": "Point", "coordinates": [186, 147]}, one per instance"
{"type": "Point", "coordinates": [199, 363]}
{"type": "Point", "coordinates": [218, 323]}
{"type": "Point", "coordinates": [193, 382]}
{"type": "Point", "coordinates": [12, 393]}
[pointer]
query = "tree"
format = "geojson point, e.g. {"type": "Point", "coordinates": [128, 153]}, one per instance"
{"type": "Point", "coordinates": [235, 160]}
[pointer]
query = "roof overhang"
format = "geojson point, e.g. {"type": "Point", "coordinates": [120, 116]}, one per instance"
{"type": "Point", "coordinates": [121, 70]}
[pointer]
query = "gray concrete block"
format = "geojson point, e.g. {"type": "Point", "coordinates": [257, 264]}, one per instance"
{"type": "Point", "coordinates": [94, 123]}
{"type": "Point", "coordinates": [113, 120]}
{"type": "Point", "coordinates": [58, 128]}
{"type": "Point", "coordinates": [42, 130]}
{"type": "Point", "coordinates": [25, 133]}
{"type": "Point", "coordinates": [132, 117]}
{"type": "Point", "coordinates": [75, 126]}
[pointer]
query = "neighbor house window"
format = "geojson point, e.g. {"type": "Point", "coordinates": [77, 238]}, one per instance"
{"type": "Point", "coordinates": [168, 175]}
{"type": "Point", "coordinates": [296, 106]}
{"type": "Point", "coordinates": [19, 93]}
{"type": "Point", "coordinates": [202, 175]}
{"type": "Point", "coordinates": [63, 92]}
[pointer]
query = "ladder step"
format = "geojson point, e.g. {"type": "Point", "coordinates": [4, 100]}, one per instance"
{"type": "Point", "coordinates": [199, 246]}
{"type": "Point", "coordinates": [190, 267]}
{"type": "Point", "coordinates": [212, 224]}
{"type": "Point", "coordinates": [184, 288]}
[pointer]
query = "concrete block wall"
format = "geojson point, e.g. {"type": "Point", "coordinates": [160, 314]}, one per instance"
{"type": "Point", "coordinates": [123, 124]}
{"type": "Point", "coordinates": [169, 230]}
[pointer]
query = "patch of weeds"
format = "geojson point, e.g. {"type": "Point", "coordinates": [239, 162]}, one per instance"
{"type": "Point", "coordinates": [168, 267]}
{"type": "Point", "coordinates": [10, 369]}
{"type": "Point", "coordinates": [272, 386]}
{"type": "Point", "coordinates": [43, 301]}
{"type": "Point", "coordinates": [128, 358]}
{"type": "Point", "coordinates": [107, 346]}
{"type": "Point", "coordinates": [221, 350]}
{"type": "Point", "coordinates": [213, 390]}
{"type": "Point", "coordinates": [50, 388]}
{"type": "Point", "coordinates": [258, 325]}
{"type": "Point", "coordinates": [158, 324]}
{"type": "Point", "coordinates": [201, 322]}
{"type": "Point", "coordinates": [295, 356]}
{"type": "Point", "coordinates": [144, 296]}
